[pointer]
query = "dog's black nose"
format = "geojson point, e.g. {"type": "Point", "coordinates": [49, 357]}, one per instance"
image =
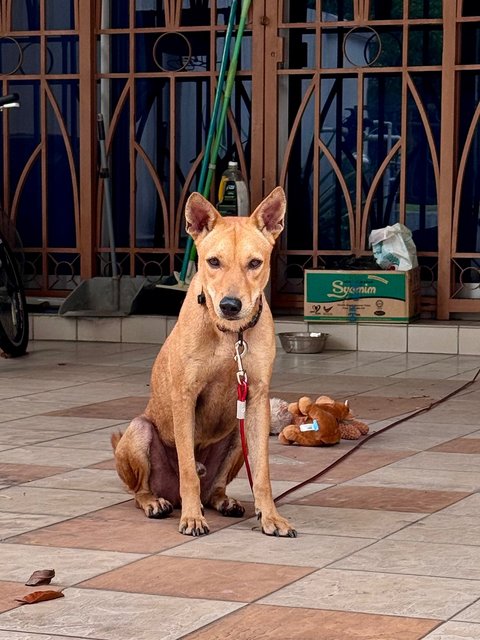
{"type": "Point", "coordinates": [230, 306]}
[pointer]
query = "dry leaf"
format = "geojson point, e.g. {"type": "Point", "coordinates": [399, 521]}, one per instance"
{"type": "Point", "coordinates": [42, 576]}
{"type": "Point", "coordinates": [40, 596]}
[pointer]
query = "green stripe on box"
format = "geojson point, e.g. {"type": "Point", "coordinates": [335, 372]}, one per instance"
{"type": "Point", "coordinates": [347, 320]}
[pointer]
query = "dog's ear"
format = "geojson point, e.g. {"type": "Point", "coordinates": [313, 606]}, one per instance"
{"type": "Point", "coordinates": [201, 216]}
{"type": "Point", "coordinates": [270, 213]}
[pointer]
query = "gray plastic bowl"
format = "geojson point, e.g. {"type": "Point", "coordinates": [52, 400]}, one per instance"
{"type": "Point", "coordinates": [303, 342]}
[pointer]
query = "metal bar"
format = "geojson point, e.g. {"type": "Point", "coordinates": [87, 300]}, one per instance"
{"type": "Point", "coordinates": [43, 155]}
{"type": "Point", "coordinates": [260, 11]}
{"type": "Point", "coordinates": [87, 173]}
{"type": "Point", "coordinates": [447, 137]}
{"type": "Point", "coordinates": [131, 145]}
{"type": "Point", "coordinates": [265, 125]}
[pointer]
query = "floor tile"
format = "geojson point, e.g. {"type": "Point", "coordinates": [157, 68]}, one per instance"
{"type": "Point", "coordinates": [382, 498]}
{"type": "Point", "coordinates": [304, 551]}
{"type": "Point", "coordinates": [14, 408]}
{"type": "Point", "coordinates": [286, 468]}
{"type": "Point", "coordinates": [120, 409]}
{"type": "Point", "coordinates": [198, 578]}
{"type": "Point", "coordinates": [108, 465]}
{"type": "Point", "coordinates": [60, 424]}
{"type": "Point", "coordinates": [18, 561]}
{"type": "Point", "coordinates": [11, 387]}
{"type": "Point", "coordinates": [372, 407]}
{"type": "Point", "coordinates": [84, 479]}
{"type": "Point", "coordinates": [449, 414]}
{"type": "Point", "coordinates": [407, 436]}
{"type": "Point", "coordinates": [88, 393]}
{"type": "Point", "coordinates": [95, 614]}
{"type": "Point", "coordinates": [18, 473]}
{"type": "Point", "coordinates": [443, 528]}
{"type": "Point", "coordinates": [470, 614]}
{"type": "Point", "coordinates": [61, 456]}
{"type": "Point", "coordinates": [430, 428]}
{"type": "Point", "coordinates": [441, 461]}
{"type": "Point", "coordinates": [361, 462]}
{"type": "Point", "coordinates": [55, 502]}
{"type": "Point", "coordinates": [381, 593]}
{"type": "Point", "coordinates": [240, 489]}
{"type": "Point", "coordinates": [20, 635]}
{"type": "Point", "coordinates": [330, 521]}
{"type": "Point", "coordinates": [417, 558]}
{"type": "Point", "coordinates": [17, 437]}
{"type": "Point", "coordinates": [469, 506]}
{"type": "Point", "coordinates": [13, 524]}
{"type": "Point", "coordinates": [121, 527]}
{"type": "Point", "coordinates": [420, 479]}
{"type": "Point", "coordinates": [455, 631]}
{"type": "Point", "coordinates": [8, 592]}
{"type": "Point", "coordinates": [98, 440]}
{"type": "Point", "coordinates": [329, 385]}
{"type": "Point", "coordinates": [292, 623]}
{"type": "Point", "coordinates": [459, 445]}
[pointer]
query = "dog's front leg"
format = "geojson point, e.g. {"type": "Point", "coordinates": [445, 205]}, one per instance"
{"type": "Point", "coordinates": [192, 521]}
{"type": "Point", "coordinates": [258, 428]}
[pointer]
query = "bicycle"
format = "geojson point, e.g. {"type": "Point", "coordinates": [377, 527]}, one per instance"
{"type": "Point", "coordinates": [13, 305]}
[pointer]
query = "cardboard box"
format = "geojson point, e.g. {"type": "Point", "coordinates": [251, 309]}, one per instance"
{"type": "Point", "coordinates": [363, 296]}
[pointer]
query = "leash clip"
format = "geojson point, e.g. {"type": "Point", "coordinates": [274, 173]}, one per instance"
{"type": "Point", "coordinates": [241, 349]}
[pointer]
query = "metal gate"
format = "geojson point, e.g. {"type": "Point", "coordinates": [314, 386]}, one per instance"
{"type": "Point", "coordinates": [366, 111]}
{"type": "Point", "coordinates": [377, 123]}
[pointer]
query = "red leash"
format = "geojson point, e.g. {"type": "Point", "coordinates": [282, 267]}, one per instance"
{"type": "Point", "coordinates": [242, 393]}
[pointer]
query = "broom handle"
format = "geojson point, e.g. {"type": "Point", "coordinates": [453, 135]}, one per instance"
{"type": "Point", "coordinates": [213, 124]}
{"type": "Point", "coordinates": [190, 251]}
{"type": "Point", "coordinates": [232, 72]}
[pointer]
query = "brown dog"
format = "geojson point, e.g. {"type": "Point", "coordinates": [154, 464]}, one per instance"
{"type": "Point", "coordinates": [190, 424]}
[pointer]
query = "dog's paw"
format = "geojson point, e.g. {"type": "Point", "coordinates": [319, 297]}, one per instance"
{"type": "Point", "coordinates": [193, 526]}
{"type": "Point", "coordinates": [277, 526]}
{"type": "Point", "coordinates": [159, 508]}
{"type": "Point", "coordinates": [231, 508]}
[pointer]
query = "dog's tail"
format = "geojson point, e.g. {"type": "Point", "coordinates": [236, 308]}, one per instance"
{"type": "Point", "coordinates": [115, 439]}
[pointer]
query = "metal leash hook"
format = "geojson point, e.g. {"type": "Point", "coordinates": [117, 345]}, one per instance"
{"type": "Point", "coordinates": [241, 373]}
{"type": "Point", "coordinates": [241, 349]}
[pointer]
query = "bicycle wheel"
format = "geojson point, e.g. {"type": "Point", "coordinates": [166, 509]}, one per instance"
{"type": "Point", "coordinates": [13, 306]}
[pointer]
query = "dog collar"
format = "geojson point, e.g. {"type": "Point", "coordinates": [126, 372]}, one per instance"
{"type": "Point", "coordinates": [201, 299]}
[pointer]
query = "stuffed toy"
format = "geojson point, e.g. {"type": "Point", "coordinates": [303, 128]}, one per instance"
{"type": "Point", "coordinates": [350, 428]}
{"type": "Point", "coordinates": [315, 424]}
{"type": "Point", "coordinates": [280, 415]}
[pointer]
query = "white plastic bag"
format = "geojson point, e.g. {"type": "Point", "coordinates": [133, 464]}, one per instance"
{"type": "Point", "coordinates": [394, 248]}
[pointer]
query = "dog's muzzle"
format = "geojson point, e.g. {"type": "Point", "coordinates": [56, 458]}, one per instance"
{"type": "Point", "coordinates": [230, 307]}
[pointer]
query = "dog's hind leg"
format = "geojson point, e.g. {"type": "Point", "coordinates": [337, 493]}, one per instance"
{"type": "Point", "coordinates": [223, 461]}
{"type": "Point", "coordinates": [146, 466]}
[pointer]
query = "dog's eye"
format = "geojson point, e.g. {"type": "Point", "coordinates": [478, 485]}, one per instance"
{"type": "Point", "coordinates": [255, 263]}
{"type": "Point", "coordinates": [214, 262]}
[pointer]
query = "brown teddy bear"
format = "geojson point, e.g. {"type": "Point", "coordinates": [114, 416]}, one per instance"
{"type": "Point", "coordinates": [320, 423]}
{"type": "Point", "coordinates": [350, 428]}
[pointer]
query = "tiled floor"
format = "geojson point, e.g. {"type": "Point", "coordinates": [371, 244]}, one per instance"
{"type": "Point", "coordinates": [389, 538]}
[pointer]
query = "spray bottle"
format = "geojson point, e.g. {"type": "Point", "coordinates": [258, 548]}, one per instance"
{"type": "Point", "coordinates": [233, 197]}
